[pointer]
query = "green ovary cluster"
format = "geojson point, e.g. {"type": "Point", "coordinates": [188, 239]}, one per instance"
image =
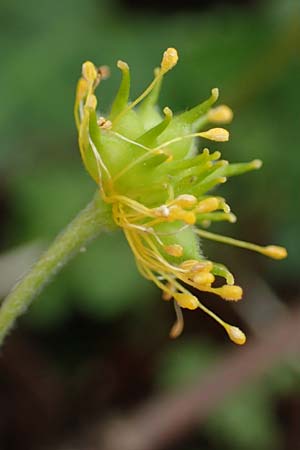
{"type": "Point", "coordinates": [147, 167]}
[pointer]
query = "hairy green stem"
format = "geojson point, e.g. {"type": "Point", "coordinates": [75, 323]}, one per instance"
{"type": "Point", "coordinates": [89, 223]}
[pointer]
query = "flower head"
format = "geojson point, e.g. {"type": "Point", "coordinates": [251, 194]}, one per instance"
{"type": "Point", "coordinates": [147, 168]}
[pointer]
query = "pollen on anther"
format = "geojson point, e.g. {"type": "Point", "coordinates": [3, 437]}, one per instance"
{"type": "Point", "coordinates": [170, 58]}
{"type": "Point", "coordinates": [275, 252]}
{"type": "Point", "coordinates": [174, 250]}
{"type": "Point", "coordinates": [89, 71]}
{"type": "Point", "coordinates": [236, 335]}
{"type": "Point", "coordinates": [216, 134]}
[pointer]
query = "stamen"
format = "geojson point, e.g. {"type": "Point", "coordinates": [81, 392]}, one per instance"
{"type": "Point", "coordinates": [177, 213]}
{"type": "Point", "coordinates": [235, 334]}
{"type": "Point", "coordinates": [191, 302]}
{"type": "Point", "coordinates": [130, 141]}
{"type": "Point", "coordinates": [273, 251]}
{"type": "Point", "coordinates": [232, 293]}
{"type": "Point", "coordinates": [192, 265]}
{"type": "Point", "coordinates": [215, 134]}
{"type": "Point", "coordinates": [170, 58]}
{"type": "Point", "coordinates": [208, 205]}
{"type": "Point", "coordinates": [203, 278]}
{"type": "Point", "coordinates": [186, 300]}
{"type": "Point", "coordinates": [185, 201]}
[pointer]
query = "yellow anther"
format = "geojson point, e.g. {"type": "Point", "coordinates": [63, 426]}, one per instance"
{"type": "Point", "coordinates": [208, 205]}
{"type": "Point", "coordinates": [169, 60]}
{"type": "Point", "coordinates": [186, 200]}
{"type": "Point", "coordinates": [189, 217]}
{"type": "Point", "coordinates": [220, 114]}
{"type": "Point", "coordinates": [177, 213]}
{"type": "Point", "coordinates": [275, 252]}
{"type": "Point", "coordinates": [188, 301]}
{"type": "Point", "coordinates": [216, 134]}
{"type": "Point", "coordinates": [228, 292]}
{"type": "Point", "coordinates": [235, 334]}
{"type": "Point", "coordinates": [91, 101]}
{"type": "Point", "coordinates": [189, 264]}
{"type": "Point", "coordinates": [174, 250]}
{"type": "Point", "coordinates": [192, 265]}
{"type": "Point", "coordinates": [203, 278]}
{"type": "Point", "coordinates": [89, 71]}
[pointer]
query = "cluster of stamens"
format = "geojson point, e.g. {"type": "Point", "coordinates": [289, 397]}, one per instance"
{"type": "Point", "coordinates": [154, 228]}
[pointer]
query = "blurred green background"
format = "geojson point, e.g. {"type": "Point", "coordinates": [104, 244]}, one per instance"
{"type": "Point", "coordinates": [99, 328]}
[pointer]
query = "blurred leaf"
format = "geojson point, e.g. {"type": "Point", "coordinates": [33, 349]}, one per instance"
{"type": "Point", "coordinates": [184, 361]}
{"type": "Point", "coordinates": [105, 279]}
{"type": "Point", "coordinates": [245, 421]}
{"type": "Point", "coordinates": [50, 309]}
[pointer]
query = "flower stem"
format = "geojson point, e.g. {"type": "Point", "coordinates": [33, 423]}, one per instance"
{"type": "Point", "coordinates": [89, 223]}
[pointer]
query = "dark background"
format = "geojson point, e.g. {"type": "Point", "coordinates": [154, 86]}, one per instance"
{"type": "Point", "coordinates": [95, 344]}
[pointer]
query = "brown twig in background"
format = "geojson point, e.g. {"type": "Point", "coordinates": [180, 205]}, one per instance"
{"type": "Point", "coordinates": [169, 417]}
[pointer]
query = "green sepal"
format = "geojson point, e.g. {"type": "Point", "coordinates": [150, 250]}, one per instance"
{"type": "Point", "coordinates": [240, 168]}
{"type": "Point", "coordinates": [183, 125]}
{"type": "Point", "coordinates": [94, 130]}
{"type": "Point", "coordinates": [150, 137]}
{"type": "Point", "coordinates": [85, 148]}
{"type": "Point", "coordinates": [148, 110]}
{"type": "Point", "coordinates": [122, 96]}
{"type": "Point", "coordinates": [192, 115]}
